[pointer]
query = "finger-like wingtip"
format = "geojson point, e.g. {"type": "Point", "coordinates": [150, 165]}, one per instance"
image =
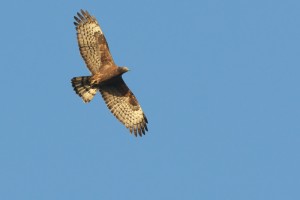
{"type": "Point", "coordinates": [83, 12]}
{"type": "Point", "coordinates": [135, 131]}
{"type": "Point", "coordinates": [80, 16]}
{"type": "Point", "coordinates": [77, 20]}
{"type": "Point", "coordinates": [146, 120]}
{"type": "Point", "coordinates": [139, 129]}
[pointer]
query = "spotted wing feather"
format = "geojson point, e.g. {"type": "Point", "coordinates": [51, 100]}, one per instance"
{"type": "Point", "coordinates": [124, 106]}
{"type": "Point", "coordinates": [92, 43]}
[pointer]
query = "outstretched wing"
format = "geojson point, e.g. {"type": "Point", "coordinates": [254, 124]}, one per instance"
{"type": "Point", "coordinates": [92, 43]}
{"type": "Point", "coordinates": [125, 107]}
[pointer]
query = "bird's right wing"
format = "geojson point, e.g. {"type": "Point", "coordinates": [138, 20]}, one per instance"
{"type": "Point", "coordinates": [124, 106]}
{"type": "Point", "coordinates": [92, 43]}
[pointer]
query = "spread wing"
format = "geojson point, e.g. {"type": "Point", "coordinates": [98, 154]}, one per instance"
{"type": "Point", "coordinates": [125, 107]}
{"type": "Point", "coordinates": [92, 43]}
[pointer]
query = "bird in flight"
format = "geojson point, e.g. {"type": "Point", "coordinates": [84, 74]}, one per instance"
{"type": "Point", "coordinates": [106, 76]}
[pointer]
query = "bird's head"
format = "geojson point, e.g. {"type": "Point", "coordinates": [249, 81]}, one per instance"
{"type": "Point", "coordinates": [123, 70]}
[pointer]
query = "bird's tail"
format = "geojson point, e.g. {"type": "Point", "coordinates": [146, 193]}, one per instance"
{"type": "Point", "coordinates": [83, 88]}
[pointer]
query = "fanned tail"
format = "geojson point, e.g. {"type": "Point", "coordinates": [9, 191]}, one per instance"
{"type": "Point", "coordinates": [83, 88]}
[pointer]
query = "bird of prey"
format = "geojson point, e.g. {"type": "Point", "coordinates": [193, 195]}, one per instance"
{"type": "Point", "coordinates": [106, 76]}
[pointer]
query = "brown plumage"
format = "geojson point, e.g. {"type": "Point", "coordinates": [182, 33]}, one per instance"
{"type": "Point", "coordinates": [106, 76]}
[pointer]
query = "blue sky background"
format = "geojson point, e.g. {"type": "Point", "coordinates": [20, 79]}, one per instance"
{"type": "Point", "coordinates": [218, 81]}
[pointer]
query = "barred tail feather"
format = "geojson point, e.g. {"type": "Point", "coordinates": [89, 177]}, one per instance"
{"type": "Point", "coordinates": [83, 88]}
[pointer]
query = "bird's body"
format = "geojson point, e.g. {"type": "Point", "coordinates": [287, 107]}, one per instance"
{"type": "Point", "coordinates": [106, 76]}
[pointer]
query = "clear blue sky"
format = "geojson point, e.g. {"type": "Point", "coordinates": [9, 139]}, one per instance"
{"type": "Point", "coordinates": [218, 81]}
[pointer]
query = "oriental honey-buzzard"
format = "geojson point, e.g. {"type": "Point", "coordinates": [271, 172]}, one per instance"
{"type": "Point", "coordinates": [106, 76]}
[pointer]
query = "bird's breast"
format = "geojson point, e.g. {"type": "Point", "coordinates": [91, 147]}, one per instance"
{"type": "Point", "coordinates": [100, 78]}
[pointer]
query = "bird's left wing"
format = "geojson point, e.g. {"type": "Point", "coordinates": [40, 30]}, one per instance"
{"type": "Point", "coordinates": [124, 106]}
{"type": "Point", "coordinates": [92, 43]}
